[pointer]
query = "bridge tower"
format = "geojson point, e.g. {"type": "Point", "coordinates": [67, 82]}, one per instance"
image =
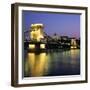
{"type": "Point", "coordinates": [37, 37]}
{"type": "Point", "coordinates": [73, 43]}
{"type": "Point", "coordinates": [36, 32]}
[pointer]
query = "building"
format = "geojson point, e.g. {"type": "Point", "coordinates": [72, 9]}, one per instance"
{"type": "Point", "coordinates": [55, 37]}
{"type": "Point", "coordinates": [36, 32]}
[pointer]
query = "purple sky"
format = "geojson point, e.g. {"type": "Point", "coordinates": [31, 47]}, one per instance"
{"type": "Point", "coordinates": [62, 24]}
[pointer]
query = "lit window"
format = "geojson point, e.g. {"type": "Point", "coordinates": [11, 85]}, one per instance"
{"type": "Point", "coordinates": [31, 46]}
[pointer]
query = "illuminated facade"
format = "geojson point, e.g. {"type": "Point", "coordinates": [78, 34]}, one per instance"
{"type": "Point", "coordinates": [37, 35]}
{"type": "Point", "coordinates": [36, 32]}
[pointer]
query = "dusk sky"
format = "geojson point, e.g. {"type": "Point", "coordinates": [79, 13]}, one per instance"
{"type": "Point", "coordinates": [62, 24]}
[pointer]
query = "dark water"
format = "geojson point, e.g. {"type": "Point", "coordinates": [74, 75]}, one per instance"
{"type": "Point", "coordinates": [52, 63]}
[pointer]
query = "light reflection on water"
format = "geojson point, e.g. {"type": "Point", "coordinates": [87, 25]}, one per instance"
{"type": "Point", "coordinates": [52, 63]}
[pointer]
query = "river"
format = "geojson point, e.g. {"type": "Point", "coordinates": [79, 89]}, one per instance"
{"type": "Point", "coordinates": [54, 63]}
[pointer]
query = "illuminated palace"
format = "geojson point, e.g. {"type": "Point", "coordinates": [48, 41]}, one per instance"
{"type": "Point", "coordinates": [37, 36]}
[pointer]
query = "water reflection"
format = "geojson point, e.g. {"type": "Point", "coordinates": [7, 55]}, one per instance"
{"type": "Point", "coordinates": [52, 63]}
{"type": "Point", "coordinates": [37, 64]}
